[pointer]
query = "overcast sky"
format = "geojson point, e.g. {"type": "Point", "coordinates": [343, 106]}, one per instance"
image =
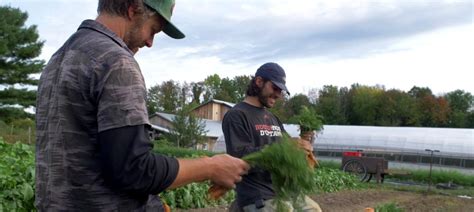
{"type": "Point", "coordinates": [395, 43]}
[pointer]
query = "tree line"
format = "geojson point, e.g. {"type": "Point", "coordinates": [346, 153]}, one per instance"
{"type": "Point", "coordinates": [354, 105]}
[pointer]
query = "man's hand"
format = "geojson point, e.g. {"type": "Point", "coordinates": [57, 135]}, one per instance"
{"type": "Point", "coordinates": [222, 170]}
{"type": "Point", "coordinates": [227, 170]}
{"type": "Point", "coordinates": [309, 136]}
{"type": "Point", "coordinates": [305, 145]}
{"type": "Point", "coordinates": [308, 148]}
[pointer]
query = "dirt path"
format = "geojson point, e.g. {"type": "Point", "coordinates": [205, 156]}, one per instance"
{"type": "Point", "coordinates": [359, 200]}
{"type": "Point", "coordinates": [409, 201]}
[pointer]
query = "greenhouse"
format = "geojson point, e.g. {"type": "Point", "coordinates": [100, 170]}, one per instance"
{"type": "Point", "coordinates": [398, 144]}
{"type": "Point", "coordinates": [402, 144]}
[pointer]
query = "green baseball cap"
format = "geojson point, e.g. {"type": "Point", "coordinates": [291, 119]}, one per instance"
{"type": "Point", "coordinates": [165, 9]}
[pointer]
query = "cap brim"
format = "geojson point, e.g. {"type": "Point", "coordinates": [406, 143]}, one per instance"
{"type": "Point", "coordinates": [281, 86]}
{"type": "Point", "coordinates": [172, 31]}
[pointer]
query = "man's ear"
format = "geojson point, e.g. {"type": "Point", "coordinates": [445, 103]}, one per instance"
{"type": "Point", "coordinates": [130, 13]}
{"type": "Point", "coordinates": [259, 81]}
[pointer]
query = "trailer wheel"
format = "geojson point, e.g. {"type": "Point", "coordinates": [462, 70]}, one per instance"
{"type": "Point", "coordinates": [357, 168]}
{"type": "Point", "coordinates": [369, 177]}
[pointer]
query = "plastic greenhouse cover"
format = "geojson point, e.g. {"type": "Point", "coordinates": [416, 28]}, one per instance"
{"type": "Point", "coordinates": [449, 141]}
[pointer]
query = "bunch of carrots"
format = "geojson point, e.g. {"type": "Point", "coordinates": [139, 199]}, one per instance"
{"type": "Point", "coordinates": [291, 168]}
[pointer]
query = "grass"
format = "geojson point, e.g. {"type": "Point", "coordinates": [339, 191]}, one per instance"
{"type": "Point", "coordinates": [388, 207]}
{"type": "Point", "coordinates": [329, 164]}
{"type": "Point", "coordinates": [423, 189]}
{"type": "Point", "coordinates": [18, 132]}
{"type": "Point", "coordinates": [437, 176]}
{"type": "Point", "coordinates": [419, 175]}
{"type": "Point", "coordinates": [164, 148]}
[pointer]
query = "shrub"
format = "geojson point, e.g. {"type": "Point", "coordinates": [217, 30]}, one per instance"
{"type": "Point", "coordinates": [17, 173]}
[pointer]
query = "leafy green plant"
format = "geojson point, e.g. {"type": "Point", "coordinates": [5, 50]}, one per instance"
{"type": "Point", "coordinates": [388, 207]}
{"type": "Point", "coordinates": [17, 175]}
{"type": "Point", "coordinates": [172, 151]}
{"type": "Point", "coordinates": [333, 180]}
{"type": "Point", "coordinates": [194, 195]}
{"type": "Point", "coordinates": [308, 120]}
{"type": "Point", "coordinates": [292, 177]}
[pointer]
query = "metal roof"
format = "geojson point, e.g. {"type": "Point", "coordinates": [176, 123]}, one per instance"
{"type": "Point", "coordinates": [228, 104]}
{"type": "Point", "coordinates": [213, 128]}
{"type": "Point", "coordinates": [159, 128]}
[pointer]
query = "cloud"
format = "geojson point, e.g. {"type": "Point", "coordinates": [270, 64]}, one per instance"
{"type": "Point", "coordinates": [397, 43]}
{"type": "Point", "coordinates": [241, 31]}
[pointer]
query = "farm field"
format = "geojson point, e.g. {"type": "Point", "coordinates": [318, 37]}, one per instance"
{"type": "Point", "coordinates": [361, 199]}
{"type": "Point", "coordinates": [335, 190]}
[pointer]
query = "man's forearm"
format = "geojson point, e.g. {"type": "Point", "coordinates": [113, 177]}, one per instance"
{"type": "Point", "coordinates": [223, 170]}
{"type": "Point", "coordinates": [192, 170]}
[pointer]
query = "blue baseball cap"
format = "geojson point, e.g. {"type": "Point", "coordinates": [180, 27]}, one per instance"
{"type": "Point", "coordinates": [275, 73]}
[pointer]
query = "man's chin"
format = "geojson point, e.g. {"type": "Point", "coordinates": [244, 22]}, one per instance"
{"type": "Point", "coordinates": [270, 103]}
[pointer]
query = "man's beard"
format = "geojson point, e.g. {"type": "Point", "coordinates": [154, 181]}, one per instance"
{"type": "Point", "coordinates": [263, 99]}
{"type": "Point", "coordinates": [132, 37]}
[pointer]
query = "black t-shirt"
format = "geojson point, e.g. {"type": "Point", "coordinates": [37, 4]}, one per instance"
{"type": "Point", "coordinates": [247, 129]}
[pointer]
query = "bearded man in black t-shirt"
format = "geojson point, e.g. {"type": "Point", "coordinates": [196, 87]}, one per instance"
{"type": "Point", "coordinates": [248, 127]}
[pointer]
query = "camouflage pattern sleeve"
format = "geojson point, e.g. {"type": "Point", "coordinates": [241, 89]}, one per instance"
{"type": "Point", "coordinates": [122, 99]}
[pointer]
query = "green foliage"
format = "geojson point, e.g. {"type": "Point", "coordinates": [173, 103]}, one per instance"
{"type": "Point", "coordinates": [17, 175]}
{"type": "Point", "coordinates": [187, 129]}
{"type": "Point", "coordinates": [21, 130]}
{"type": "Point", "coordinates": [357, 105]}
{"type": "Point", "coordinates": [388, 207]}
{"type": "Point", "coordinates": [330, 104]}
{"type": "Point", "coordinates": [397, 109]}
{"type": "Point", "coordinates": [23, 123]}
{"type": "Point", "coordinates": [329, 164]}
{"type": "Point", "coordinates": [10, 114]}
{"type": "Point", "coordinates": [333, 180]}
{"type": "Point", "coordinates": [431, 111]}
{"type": "Point", "coordinates": [226, 89]}
{"type": "Point", "coordinates": [164, 97]}
{"type": "Point", "coordinates": [172, 151]}
{"type": "Point", "coordinates": [18, 46]}
{"type": "Point", "coordinates": [364, 103]}
{"type": "Point", "coordinates": [460, 102]}
{"type": "Point", "coordinates": [292, 178]}
{"type": "Point", "coordinates": [197, 88]}
{"type": "Point", "coordinates": [308, 120]}
{"type": "Point", "coordinates": [328, 178]}
{"type": "Point", "coordinates": [211, 86]}
{"type": "Point", "coordinates": [194, 195]}
{"type": "Point", "coordinates": [295, 103]}
{"type": "Point", "coordinates": [240, 84]}
{"type": "Point", "coordinates": [437, 176]}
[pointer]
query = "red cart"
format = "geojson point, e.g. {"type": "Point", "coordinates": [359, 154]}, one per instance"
{"type": "Point", "coordinates": [364, 167]}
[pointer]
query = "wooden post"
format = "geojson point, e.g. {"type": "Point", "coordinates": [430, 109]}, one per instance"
{"type": "Point", "coordinates": [29, 135]}
{"type": "Point", "coordinates": [379, 172]}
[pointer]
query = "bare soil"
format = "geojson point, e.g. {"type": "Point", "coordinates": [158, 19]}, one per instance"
{"type": "Point", "coordinates": [359, 200]}
{"type": "Point", "coordinates": [408, 201]}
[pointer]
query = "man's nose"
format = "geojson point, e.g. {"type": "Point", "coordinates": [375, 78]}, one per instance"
{"type": "Point", "coordinates": [149, 42]}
